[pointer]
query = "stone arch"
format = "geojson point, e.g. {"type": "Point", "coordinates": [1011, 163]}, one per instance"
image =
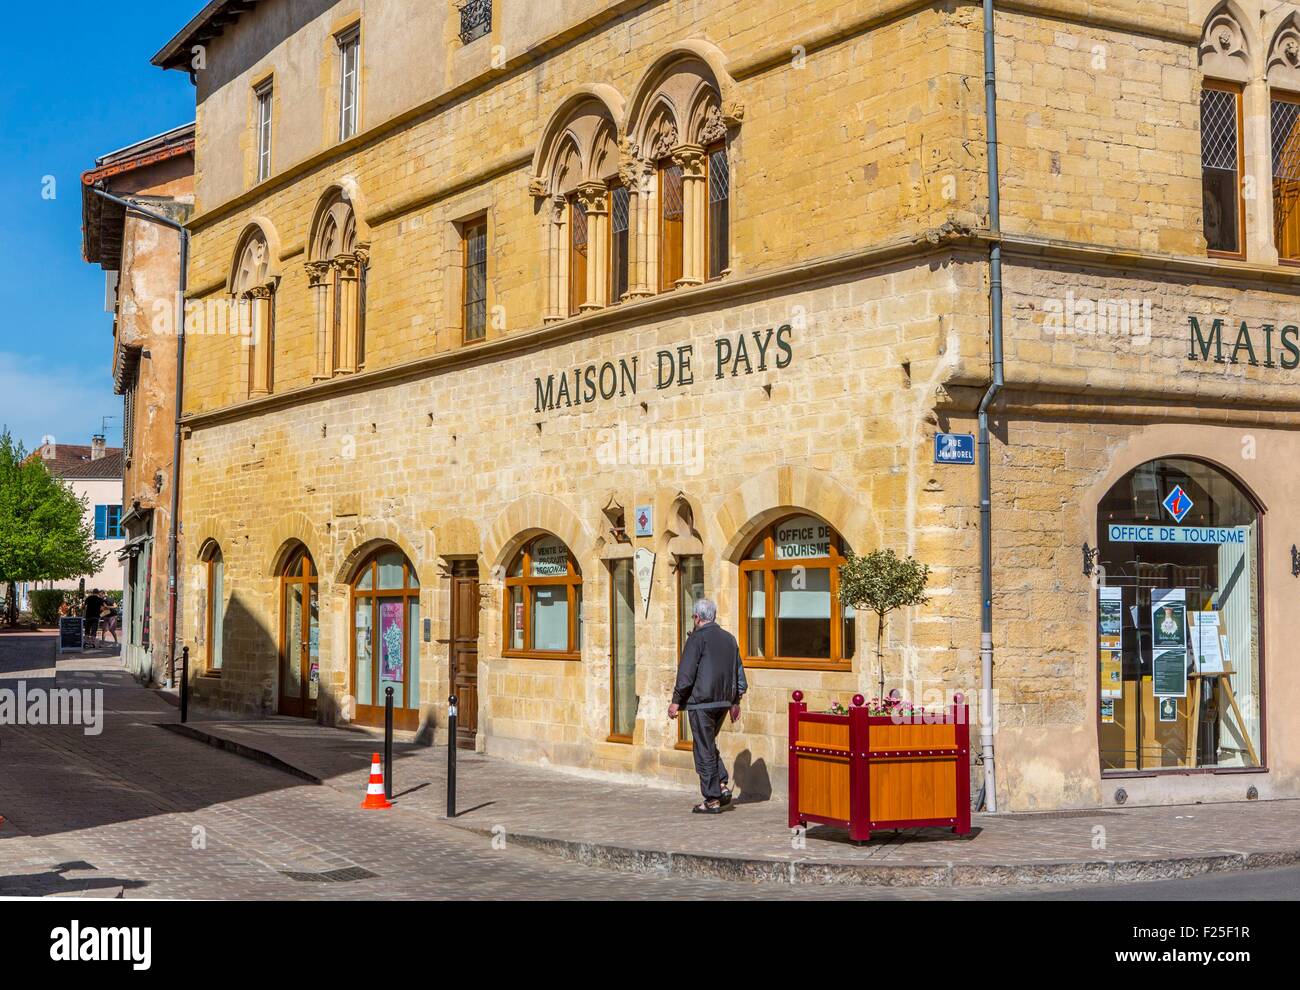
{"type": "Point", "coordinates": [292, 531]}
{"type": "Point", "coordinates": [369, 538]}
{"type": "Point", "coordinates": [250, 272]}
{"type": "Point", "coordinates": [679, 75]}
{"type": "Point", "coordinates": [586, 116]}
{"type": "Point", "coordinates": [528, 517]}
{"type": "Point", "coordinates": [1227, 43]}
{"type": "Point", "coordinates": [340, 207]}
{"type": "Point", "coordinates": [782, 491]}
{"type": "Point", "coordinates": [1284, 55]}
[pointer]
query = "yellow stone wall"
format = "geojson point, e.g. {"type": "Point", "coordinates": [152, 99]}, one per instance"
{"type": "Point", "coordinates": [859, 217]}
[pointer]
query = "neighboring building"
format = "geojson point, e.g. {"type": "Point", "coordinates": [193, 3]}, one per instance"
{"type": "Point", "coordinates": [489, 297]}
{"type": "Point", "coordinates": [142, 262]}
{"type": "Point", "coordinates": [93, 473]}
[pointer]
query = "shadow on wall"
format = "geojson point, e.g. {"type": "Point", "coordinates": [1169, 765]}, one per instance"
{"type": "Point", "coordinates": [751, 777]}
{"type": "Point", "coordinates": [250, 657]}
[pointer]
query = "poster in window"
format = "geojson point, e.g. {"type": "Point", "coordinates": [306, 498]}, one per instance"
{"type": "Point", "coordinates": [1169, 709]}
{"type": "Point", "coordinates": [1108, 711]}
{"type": "Point", "coordinates": [1112, 674]}
{"type": "Point", "coordinates": [1169, 673]}
{"type": "Point", "coordinates": [1206, 643]}
{"type": "Point", "coordinates": [390, 641]}
{"type": "Point", "coordinates": [1169, 619]}
{"type": "Point", "coordinates": [1110, 640]}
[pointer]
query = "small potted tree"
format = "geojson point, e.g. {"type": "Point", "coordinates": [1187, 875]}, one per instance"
{"type": "Point", "coordinates": [882, 582]}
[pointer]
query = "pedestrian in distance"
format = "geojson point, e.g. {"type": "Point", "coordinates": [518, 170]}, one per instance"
{"type": "Point", "coordinates": [91, 609]}
{"type": "Point", "coordinates": [710, 683]}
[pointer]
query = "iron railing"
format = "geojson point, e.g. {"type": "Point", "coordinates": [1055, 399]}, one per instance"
{"type": "Point", "coordinates": [475, 19]}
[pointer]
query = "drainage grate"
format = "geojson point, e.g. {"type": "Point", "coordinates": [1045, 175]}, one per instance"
{"type": "Point", "coordinates": [333, 876]}
{"type": "Point", "coordinates": [1047, 815]}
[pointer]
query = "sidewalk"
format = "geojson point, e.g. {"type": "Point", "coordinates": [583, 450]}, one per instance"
{"type": "Point", "coordinates": [650, 830]}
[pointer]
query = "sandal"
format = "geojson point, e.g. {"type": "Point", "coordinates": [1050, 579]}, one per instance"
{"type": "Point", "coordinates": [726, 797]}
{"type": "Point", "coordinates": [705, 808]}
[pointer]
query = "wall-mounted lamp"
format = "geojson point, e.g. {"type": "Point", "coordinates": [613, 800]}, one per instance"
{"type": "Point", "coordinates": [1090, 558]}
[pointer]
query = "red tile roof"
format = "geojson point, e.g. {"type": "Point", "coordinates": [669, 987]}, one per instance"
{"type": "Point", "coordinates": [73, 462]}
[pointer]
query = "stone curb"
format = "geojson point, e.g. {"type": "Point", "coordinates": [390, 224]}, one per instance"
{"type": "Point", "coordinates": [248, 752]}
{"type": "Point", "coordinates": [703, 866]}
{"type": "Point", "coordinates": [708, 866]}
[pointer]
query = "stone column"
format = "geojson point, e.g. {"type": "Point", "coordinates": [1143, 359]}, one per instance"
{"type": "Point", "coordinates": [557, 251]}
{"type": "Point", "coordinates": [1258, 239]}
{"type": "Point", "coordinates": [695, 192]}
{"type": "Point", "coordinates": [349, 271]}
{"type": "Point", "coordinates": [262, 343]}
{"type": "Point", "coordinates": [637, 175]}
{"type": "Point", "coordinates": [318, 280]}
{"type": "Point", "coordinates": [595, 200]}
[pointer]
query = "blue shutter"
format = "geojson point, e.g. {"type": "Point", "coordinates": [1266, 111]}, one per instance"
{"type": "Point", "coordinates": [101, 521]}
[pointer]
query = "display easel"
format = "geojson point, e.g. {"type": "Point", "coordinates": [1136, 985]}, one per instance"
{"type": "Point", "coordinates": [1223, 682]}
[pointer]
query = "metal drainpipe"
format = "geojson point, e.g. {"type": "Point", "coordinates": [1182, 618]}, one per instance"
{"type": "Point", "coordinates": [174, 524]}
{"type": "Point", "coordinates": [995, 323]}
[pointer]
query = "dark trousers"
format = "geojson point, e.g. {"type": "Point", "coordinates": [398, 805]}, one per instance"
{"type": "Point", "coordinates": [706, 723]}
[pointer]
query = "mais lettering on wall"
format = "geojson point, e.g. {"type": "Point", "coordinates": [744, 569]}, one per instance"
{"type": "Point", "coordinates": [747, 353]}
{"type": "Point", "coordinates": [1267, 346]}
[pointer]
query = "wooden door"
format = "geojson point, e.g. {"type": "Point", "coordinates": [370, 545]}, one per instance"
{"type": "Point", "coordinates": [299, 640]}
{"type": "Point", "coordinates": [464, 650]}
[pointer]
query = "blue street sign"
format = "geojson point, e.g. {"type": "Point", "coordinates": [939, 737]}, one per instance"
{"type": "Point", "coordinates": [954, 448]}
{"type": "Point", "coordinates": [1178, 503]}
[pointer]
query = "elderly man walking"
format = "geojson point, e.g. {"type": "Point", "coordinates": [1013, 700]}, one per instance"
{"type": "Point", "coordinates": [710, 682]}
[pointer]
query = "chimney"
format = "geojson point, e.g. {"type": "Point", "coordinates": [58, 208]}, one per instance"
{"type": "Point", "coordinates": [97, 448]}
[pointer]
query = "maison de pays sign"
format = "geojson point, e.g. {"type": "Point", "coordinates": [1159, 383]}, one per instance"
{"type": "Point", "coordinates": [747, 353]}
{"type": "Point", "coordinates": [1267, 345]}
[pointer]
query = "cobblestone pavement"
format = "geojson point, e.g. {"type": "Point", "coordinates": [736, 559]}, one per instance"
{"type": "Point", "coordinates": [142, 812]}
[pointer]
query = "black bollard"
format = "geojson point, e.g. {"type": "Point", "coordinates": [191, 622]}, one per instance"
{"type": "Point", "coordinates": [451, 757]}
{"type": "Point", "coordinates": [388, 743]}
{"type": "Point", "coordinates": [185, 685]}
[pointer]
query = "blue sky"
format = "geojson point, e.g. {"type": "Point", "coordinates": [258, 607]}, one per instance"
{"type": "Point", "coordinates": [80, 85]}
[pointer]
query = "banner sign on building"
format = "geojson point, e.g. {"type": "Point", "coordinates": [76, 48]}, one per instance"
{"type": "Point", "coordinates": [1169, 642]}
{"type": "Point", "coordinates": [1189, 535]}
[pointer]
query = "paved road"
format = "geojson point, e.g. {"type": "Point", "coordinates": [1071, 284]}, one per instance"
{"type": "Point", "coordinates": [140, 812]}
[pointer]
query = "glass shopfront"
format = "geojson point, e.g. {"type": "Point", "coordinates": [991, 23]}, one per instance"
{"type": "Point", "coordinates": [1178, 621]}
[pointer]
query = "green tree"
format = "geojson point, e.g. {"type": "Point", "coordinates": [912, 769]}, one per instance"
{"type": "Point", "coordinates": [882, 582]}
{"type": "Point", "coordinates": [44, 532]}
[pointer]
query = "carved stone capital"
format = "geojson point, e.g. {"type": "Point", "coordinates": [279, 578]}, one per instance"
{"type": "Point", "coordinates": [349, 266]}
{"type": "Point", "coordinates": [536, 186]}
{"type": "Point", "coordinates": [693, 160]}
{"type": "Point", "coordinates": [594, 197]}
{"type": "Point", "coordinates": [318, 273]}
{"type": "Point", "coordinates": [260, 292]}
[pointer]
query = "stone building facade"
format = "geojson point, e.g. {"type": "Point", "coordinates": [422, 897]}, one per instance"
{"type": "Point", "coordinates": [516, 326]}
{"type": "Point", "coordinates": [142, 262]}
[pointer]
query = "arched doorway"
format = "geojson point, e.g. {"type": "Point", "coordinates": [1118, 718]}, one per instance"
{"type": "Point", "coordinates": [1179, 620]}
{"type": "Point", "coordinates": [299, 636]}
{"type": "Point", "coordinates": [386, 639]}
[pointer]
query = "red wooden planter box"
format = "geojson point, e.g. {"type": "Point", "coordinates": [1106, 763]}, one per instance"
{"type": "Point", "coordinates": [866, 773]}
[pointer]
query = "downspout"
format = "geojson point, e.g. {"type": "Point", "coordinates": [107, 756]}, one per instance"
{"type": "Point", "coordinates": [174, 523]}
{"type": "Point", "coordinates": [995, 333]}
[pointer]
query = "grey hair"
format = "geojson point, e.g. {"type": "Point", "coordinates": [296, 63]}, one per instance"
{"type": "Point", "coordinates": [705, 609]}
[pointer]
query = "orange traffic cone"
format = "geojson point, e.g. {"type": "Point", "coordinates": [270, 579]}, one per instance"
{"type": "Point", "coordinates": [375, 791]}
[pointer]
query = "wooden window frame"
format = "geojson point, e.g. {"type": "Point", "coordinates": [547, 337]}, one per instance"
{"type": "Point", "coordinates": [578, 287]}
{"type": "Point", "coordinates": [348, 40]}
{"type": "Point", "coordinates": [768, 565]}
{"type": "Point", "coordinates": [404, 717]}
{"type": "Point", "coordinates": [1279, 96]}
{"type": "Point", "coordinates": [708, 212]}
{"type": "Point", "coordinates": [305, 575]}
{"type": "Point", "coordinates": [665, 283]}
{"type": "Point", "coordinates": [615, 736]}
{"type": "Point", "coordinates": [612, 293]}
{"type": "Point", "coordinates": [467, 231]}
{"type": "Point", "coordinates": [572, 581]}
{"type": "Point", "coordinates": [1237, 91]}
{"type": "Point", "coordinates": [210, 554]}
{"type": "Point", "coordinates": [264, 96]}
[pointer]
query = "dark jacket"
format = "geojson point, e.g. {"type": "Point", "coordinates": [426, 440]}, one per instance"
{"type": "Point", "coordinates": [710, 674]}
